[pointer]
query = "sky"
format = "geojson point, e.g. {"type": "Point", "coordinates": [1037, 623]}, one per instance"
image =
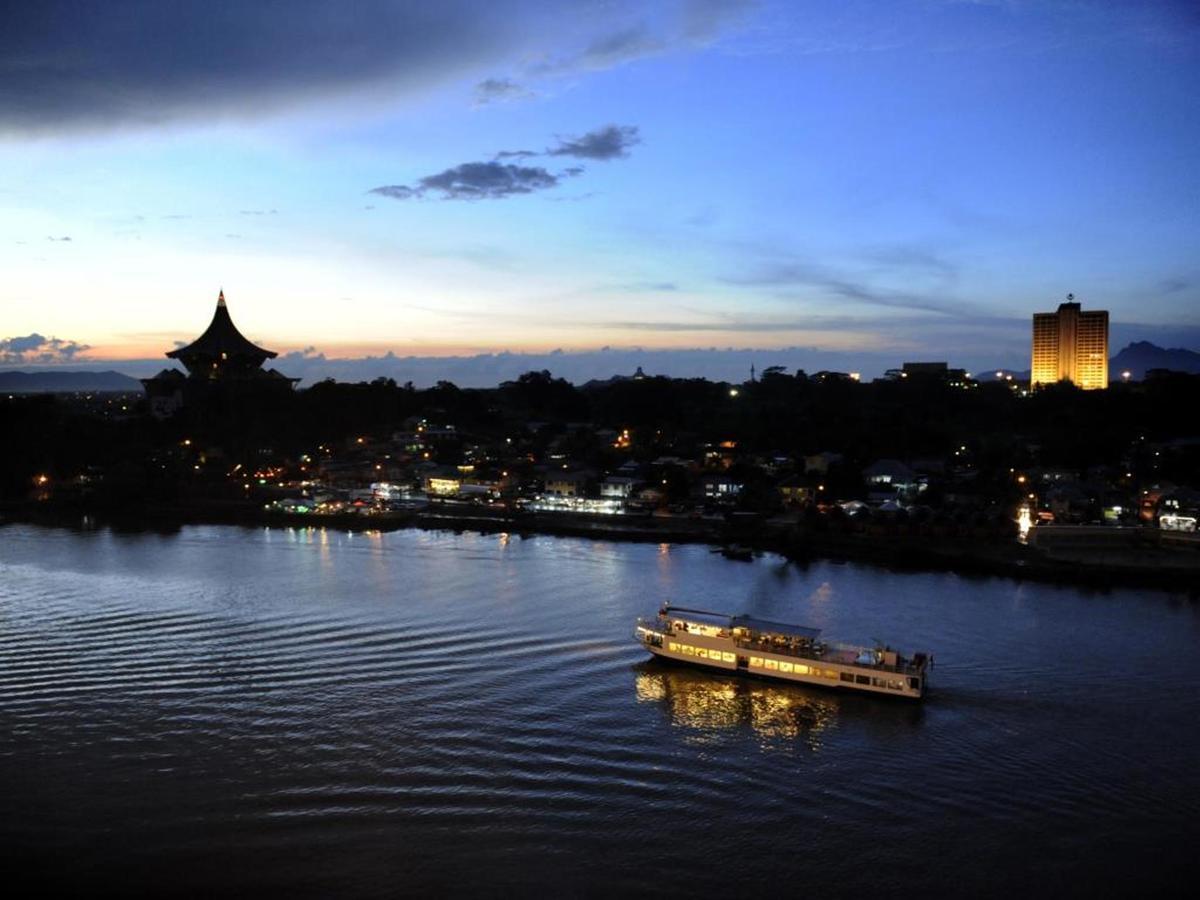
{"type": "Point", "coordinates": [814, 184]}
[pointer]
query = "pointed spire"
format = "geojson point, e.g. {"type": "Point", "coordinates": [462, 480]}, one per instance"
{"type": "Point", "coordinates": [221, 298]}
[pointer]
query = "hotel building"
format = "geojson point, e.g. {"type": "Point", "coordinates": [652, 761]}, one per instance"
{"type": "Point", "coordinates": [1070, 344]}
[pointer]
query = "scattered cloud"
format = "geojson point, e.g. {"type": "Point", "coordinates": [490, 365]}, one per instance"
{"type": "Point", "coordinates": [609, 142]}
{"type": "Point", "coordinates": [258, 212]}
{"type": "Point", "coordinates": [704, 20]}
{"type": "Point", "coordinates": [639, 287]}
{"type": "Point", "coordinates": [496, 179]}
{"type": "Point", "coordinates": [500, 90]}
{"type": "Point", "coordinates": [34, 348]}
{"type": "Point", "coordinates": [912, 257]}
{"type": "Point", "coordinates": [475, 181]}
{"type": "Point", "coordinates": [58, 239]}
{"type": "Point", "coordinates": [793, 274]}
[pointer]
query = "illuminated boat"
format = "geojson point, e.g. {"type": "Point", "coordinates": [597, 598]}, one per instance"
{"type": "Point", "coordinates": [749, 646]}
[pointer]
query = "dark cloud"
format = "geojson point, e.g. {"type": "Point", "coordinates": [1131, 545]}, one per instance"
{"type": "Point", "coordinates": [34, 348]}
{"type": "Point", "coordinates": [475, 181]}
{"type": "Point", "coordinates": [1174, 285]}
{"type": "Point", "coordinates": [65, 63]}
{"type": "Point", "coordinates": [609, 142]}
{"type": "Point", "coordinates": [499, 90]}
{"type": "Point", "coordinates": [496, 179]}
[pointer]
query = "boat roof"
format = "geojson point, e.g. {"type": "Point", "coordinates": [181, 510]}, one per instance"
{"type": "Point", "coordinates": [751, 622]}
{"type": "Point", "coordinates": [775, 627]}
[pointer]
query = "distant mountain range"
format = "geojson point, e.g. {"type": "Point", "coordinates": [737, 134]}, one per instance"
{"type": "Point", "coordinates": [1141, 356]}
{"type": "Point", "coordinates": [66, 382]}
{"type": "Point", "coordinates": [1137, 359]}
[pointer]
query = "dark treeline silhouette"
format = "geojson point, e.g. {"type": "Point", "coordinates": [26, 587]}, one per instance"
{"type": "Point", "coordinates": [134, 455]}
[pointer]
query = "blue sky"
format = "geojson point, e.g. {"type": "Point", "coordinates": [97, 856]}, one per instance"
{"type": "Point", "coordinates": [866, 182]}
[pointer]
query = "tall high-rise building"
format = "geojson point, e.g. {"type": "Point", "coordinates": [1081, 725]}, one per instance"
{"type": "Point", "coordinates": [1070, 344]}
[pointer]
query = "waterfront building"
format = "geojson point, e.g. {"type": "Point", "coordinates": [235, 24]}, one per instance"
{"type": "Point", "coordinates": [1070, 345]}
{"type": "Point", "coordinates": [219, 363]}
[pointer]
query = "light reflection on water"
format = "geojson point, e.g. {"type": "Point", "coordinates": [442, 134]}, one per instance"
{"type": "Point", "coordinates": [705, 702]}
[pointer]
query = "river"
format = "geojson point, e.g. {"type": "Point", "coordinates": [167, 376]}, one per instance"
{"type": "Point", "coordinates": [314, 712]}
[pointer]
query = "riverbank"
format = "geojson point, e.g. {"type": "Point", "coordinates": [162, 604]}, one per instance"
{"type": "Point", "coordinates": [1095, 557]}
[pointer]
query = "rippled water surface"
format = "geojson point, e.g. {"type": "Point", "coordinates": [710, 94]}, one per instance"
{"type": "Point", "coordinates": [315, 713]}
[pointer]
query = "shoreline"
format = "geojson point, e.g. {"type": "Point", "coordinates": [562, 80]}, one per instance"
{"type": "Point", "coordinates": [1171, 570]}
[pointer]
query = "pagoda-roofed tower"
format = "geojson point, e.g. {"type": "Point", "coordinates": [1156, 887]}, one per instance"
{"type": "Point", "coordinates": [222, 351]}
{"type": "Point", "coordinates": [224, 368]}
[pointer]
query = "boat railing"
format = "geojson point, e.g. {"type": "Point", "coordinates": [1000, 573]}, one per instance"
{"type": "Point", "coordinates": [823, 652]}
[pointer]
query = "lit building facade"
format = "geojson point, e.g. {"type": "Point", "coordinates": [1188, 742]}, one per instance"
{"type": "Point", "coordinates": [1070, 344]}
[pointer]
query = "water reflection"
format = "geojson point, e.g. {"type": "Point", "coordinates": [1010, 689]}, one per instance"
{"type": "Point", "coordinates": [712, 702]}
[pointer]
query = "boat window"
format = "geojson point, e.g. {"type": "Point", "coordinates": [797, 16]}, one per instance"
{"type": "Point", "coordinates": [862, 679]}
{"type": "Point", "coordinates": [801, 669]}
{"type": "Point", "coordinates": [846, 676]}
{"type": "Point", "coordinates": [756, 662]}
{"type": "Point", "coordinates": [673, 647]}
{"type": "Point", "coordinates": [701, 652]}
{"type": "Point", "coordinates": [770, 664]}
{"type": "Point", "coordinates": [728, 657]}
{"type": "Point", "coordinates": [785, 667]}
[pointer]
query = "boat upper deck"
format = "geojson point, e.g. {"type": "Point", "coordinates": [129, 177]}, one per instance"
{"type": "Point", "coordinates": [788, 640]}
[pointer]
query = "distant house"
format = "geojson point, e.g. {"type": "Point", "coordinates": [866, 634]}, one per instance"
{"type": "Point", "coordinates": [721, 487]}
{"type": "Point", "coordinates": [618, 487]}
{"type": "Point", "coordinates": [443, 481]}
{"type": "Point", "coordinates": [820, 463]}
{"type": "Point", "coordinates": [888, 478]}
{"type": "Point", "coordinates": [567, 484]}
{"type": "Point", "coordinates": [1072, 502]}
{"type": "Point", "coordinates": [889, 471]}
{"type": "Point", "coordinates": [796, 491]}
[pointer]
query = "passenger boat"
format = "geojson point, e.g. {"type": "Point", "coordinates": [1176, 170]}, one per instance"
{"type": "Point", "coordinates": [749, 646]}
